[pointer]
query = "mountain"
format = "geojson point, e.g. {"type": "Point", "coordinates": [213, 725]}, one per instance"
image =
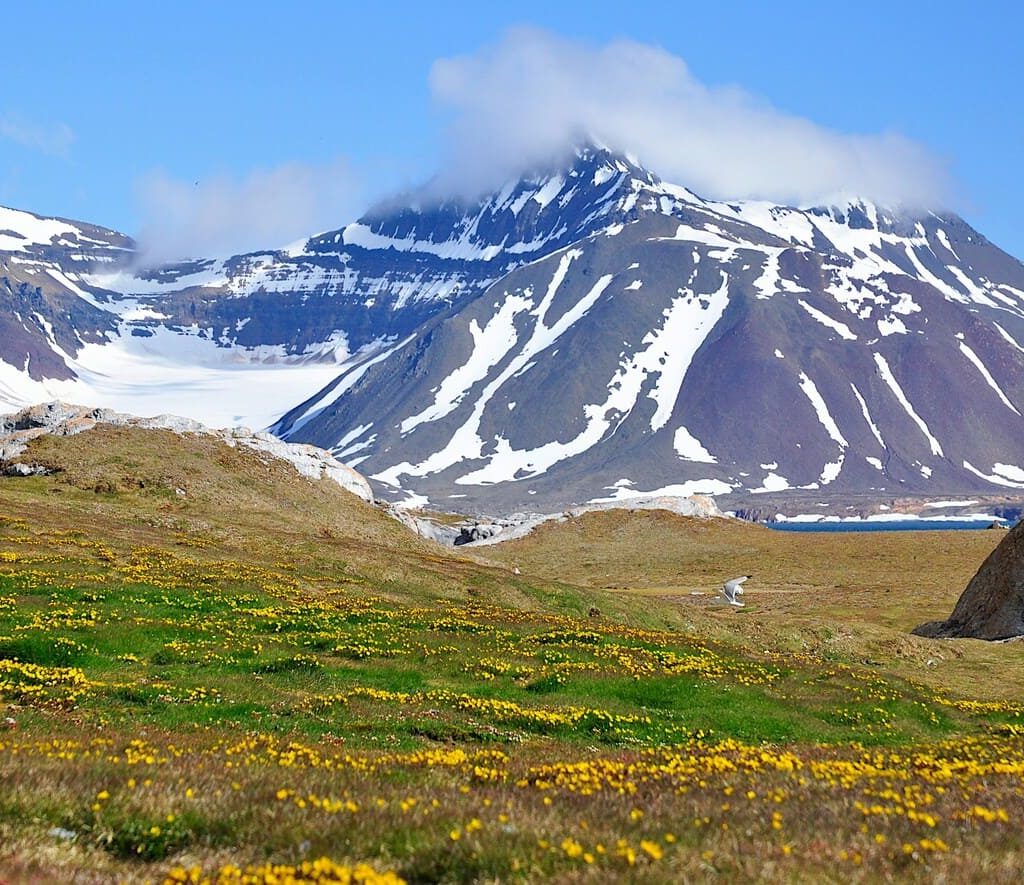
{"type": "Point", "coordinates": [688, 345]}
{"type": "Point", "coordinates": [333, 302]}
{"type": "Point", "coordinates": [45, 318]}
{"type": "Point", "coordinates": [588, 332]}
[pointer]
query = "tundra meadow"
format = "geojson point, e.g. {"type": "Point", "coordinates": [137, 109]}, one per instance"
{"type": "Point", "coordinates": [201, 688]}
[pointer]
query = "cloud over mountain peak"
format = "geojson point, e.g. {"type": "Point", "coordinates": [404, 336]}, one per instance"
{"type": "Point", "coordinates": [529, 97]}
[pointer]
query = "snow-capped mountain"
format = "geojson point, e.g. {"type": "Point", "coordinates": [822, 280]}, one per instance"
{"type": "Point", "coordinates": [686, 345]}
{"type": "Point", "coordinates": [226, 327]}
{"type": "Point", "coordinates": [588, 332]}
{"type": "Point", "coordinates": [44, 316]}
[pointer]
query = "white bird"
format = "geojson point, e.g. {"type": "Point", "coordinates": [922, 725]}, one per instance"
{"type": "Point", "coordinates": [732, 589]}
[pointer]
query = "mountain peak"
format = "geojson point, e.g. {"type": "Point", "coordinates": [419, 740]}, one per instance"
{"type": "Point", "coordinates": [543, 209]}
{"type": "Point", "coordinates": [593, 155]}
{"type": "Point", "coordinates": [22, 231]}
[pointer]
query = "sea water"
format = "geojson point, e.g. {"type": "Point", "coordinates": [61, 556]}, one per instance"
{"type": "Point", "coordinates": [884, 525]}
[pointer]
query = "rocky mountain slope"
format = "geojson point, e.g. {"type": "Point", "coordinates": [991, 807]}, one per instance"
{"type": "Point", "coordinates": [45, 317]}
{"type": "Point", "coordinates": [586, 333]}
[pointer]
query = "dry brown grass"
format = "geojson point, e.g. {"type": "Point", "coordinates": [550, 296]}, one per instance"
{"type": "Point", "coordinates": [851, 596]}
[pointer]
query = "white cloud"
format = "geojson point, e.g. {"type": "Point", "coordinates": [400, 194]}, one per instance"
{"type": "Point", "coordinates": [528, 98]}
{"type": "Point", "coordinates": [54, 139]}
{"type": "Point", "coordinates": [223, 216]}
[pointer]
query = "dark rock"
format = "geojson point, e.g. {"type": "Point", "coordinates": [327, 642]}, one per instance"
{"type": "Point", "coordinates": [477, 532]}
{"type": "Point", "coordinates": [992, 606]}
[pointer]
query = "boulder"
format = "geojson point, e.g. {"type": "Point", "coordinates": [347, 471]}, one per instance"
{"type": "Point", "coordinates": [992, 606]}
{"type": "Point", "coordinates": [24, 470]}
{"type": "Point", "coordinates": [478, 531]}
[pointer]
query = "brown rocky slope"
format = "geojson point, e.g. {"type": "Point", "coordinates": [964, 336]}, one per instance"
{"type": "Point", "coordinates": [992, 606]}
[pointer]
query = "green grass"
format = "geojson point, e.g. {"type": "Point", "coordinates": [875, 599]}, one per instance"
{"type": "Point", "coordinates": [165, 656]}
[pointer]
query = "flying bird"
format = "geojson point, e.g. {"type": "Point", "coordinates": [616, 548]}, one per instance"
{"type": "Point", "coordinates": [732, 589]}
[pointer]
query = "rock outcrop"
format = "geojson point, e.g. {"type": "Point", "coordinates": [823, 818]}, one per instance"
{"type": "Point", "coordinates": [64, 419]}
{"type": "Point", "coordinates": [482, 532]}
{"type": "Point", "coordinates": [992, 606]}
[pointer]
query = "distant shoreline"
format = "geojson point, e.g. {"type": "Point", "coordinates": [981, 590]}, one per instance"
{"type": "Point", "coordinates": [886, 524]}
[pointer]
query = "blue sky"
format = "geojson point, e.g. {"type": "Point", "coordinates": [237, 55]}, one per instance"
{"type": "Point", "coordinates": [124, 114]}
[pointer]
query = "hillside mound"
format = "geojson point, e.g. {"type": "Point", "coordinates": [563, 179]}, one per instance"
{"type": "Point", "coordinates": [992, 606]}
{"type": "Point", "coordinates": [638, 548]}
{"type": "Point", "coordinates": [195, 495]}
{"type": "Point", "coordinates": [64, 419]}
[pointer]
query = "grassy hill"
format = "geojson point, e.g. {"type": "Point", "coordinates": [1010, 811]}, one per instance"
{"type": "Point", "coordinates": [209, 663]}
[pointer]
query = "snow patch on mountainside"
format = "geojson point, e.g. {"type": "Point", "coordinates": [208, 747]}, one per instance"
{"type": "Point", "coordinates": [689, 448]}
{"type": "Point", "coordinates": [989, 380]}
{"type": "Point", "coordinates": [671, 349]}
{"type": "Point", "coordinates": [828, 322]}
{"type": "Point", "coordinates": [1002, 475]}
{"type": "Point", "coordinates": [875, 432]}
{"type": "Point", "coordinates": [890, 380]}
{"type": "Point", "coordinates": [772, 482]}
{"type": "Point", "coordinates": [810, 390]}
{"type": "Point", "coordinates": [490, 345]}
{"type": "Point", "coordinates": [677, 490]}
{"type": "Point", "coordinates": [831, 470]}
